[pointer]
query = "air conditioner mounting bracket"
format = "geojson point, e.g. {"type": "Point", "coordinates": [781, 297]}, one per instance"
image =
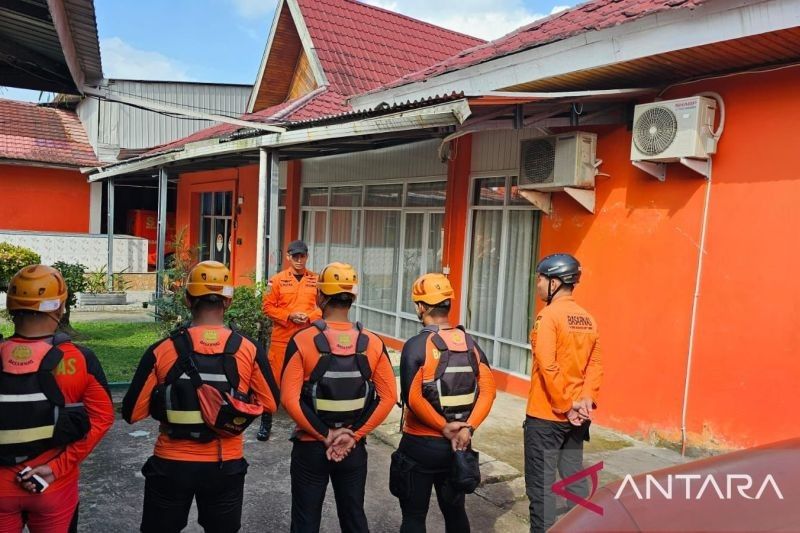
{"type": "Point", "coordinates": [657, 170]}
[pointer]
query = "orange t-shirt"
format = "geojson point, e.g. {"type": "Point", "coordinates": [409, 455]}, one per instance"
{"type": "Point", "coordinates": [566, 359]}
{"type": "Point", "coordinates": [156, 363]}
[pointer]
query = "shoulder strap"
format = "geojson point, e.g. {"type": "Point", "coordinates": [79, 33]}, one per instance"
{"type": "Point", "coordinates": [363, 341]}
{"type": "Point", "coordinates": [474, 362]}
{"type": "Point", "coordinates": [184, 348]}
{"type": "Point", "coordinates": [229, 363]}
{"type": "Point", "coordinates": [444, 358]}
{"type": "Point", "coordinates": [47, 379]}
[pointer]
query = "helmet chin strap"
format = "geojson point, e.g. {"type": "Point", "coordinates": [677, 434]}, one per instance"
{"type": "Point", "coordinates": [550, 292]}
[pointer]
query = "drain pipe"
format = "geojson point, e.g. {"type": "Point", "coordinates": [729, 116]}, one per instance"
{"type": "Point", "coordinates": [695, 301]}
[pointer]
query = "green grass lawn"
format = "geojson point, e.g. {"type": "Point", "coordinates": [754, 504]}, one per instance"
{"type": "Point", "coordinates": [118, 346]}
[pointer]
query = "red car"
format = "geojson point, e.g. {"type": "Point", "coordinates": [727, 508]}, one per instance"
{"type": "Point", "coordinates": [749, 490]}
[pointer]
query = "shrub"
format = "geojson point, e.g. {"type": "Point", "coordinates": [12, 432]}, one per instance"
{"type": "Point", "coordinates": [75, 277]}
{"type": "Point", "coordinates": [13, 258]}
{"type": "Point", "coordinates": [246, 315]}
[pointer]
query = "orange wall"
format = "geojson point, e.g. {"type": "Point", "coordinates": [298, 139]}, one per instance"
{"type": "Point", "coordinates": [243, 182]}
{"type": "Point", "coordinates": [50, 189]}
{"type": "Point", "coordinates": [640, 253]}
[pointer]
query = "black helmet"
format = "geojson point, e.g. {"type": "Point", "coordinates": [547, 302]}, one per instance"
{"type": "Point", "coordinates": [560, 266]}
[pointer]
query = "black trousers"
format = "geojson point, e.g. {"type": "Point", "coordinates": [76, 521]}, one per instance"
{"type": "Point", "coordinates": [311, 470]}
{"type": "Point", "coordinates": [170, 486]}
{"type": "Point", "coordinates": [433, 456]}
{"type": "Point", "coordinates": [551, 447]}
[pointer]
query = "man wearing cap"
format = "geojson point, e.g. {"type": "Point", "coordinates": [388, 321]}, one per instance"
{"type": "Point", "coordinates": [291, 304]}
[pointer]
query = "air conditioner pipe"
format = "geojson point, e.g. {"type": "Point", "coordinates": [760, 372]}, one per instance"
{"type": "Point", "coordinates": [700, 255]}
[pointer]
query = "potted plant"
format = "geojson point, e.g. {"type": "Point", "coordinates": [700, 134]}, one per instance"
{"type": "Point", "coordinates": [96, 289]}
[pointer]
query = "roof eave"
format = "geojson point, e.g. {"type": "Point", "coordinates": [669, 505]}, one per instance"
{"type": "Point", "coordinates": [438, 115]}
{"type": "Point", "coordinates": [650, 35]}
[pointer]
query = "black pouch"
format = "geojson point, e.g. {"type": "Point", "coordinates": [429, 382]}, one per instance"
{"type": "Point", "coordinates": [158, 403]}
{"type": "Point", "coordinates": [465, 472]}
{"type": "Point", "coordinates": [400, 484]}
{"type": "Point", "coordinates": [72, 425]}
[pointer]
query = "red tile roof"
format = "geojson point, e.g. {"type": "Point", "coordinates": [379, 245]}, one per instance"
{"type": "Point", "coordinates": [29, 132]}
{"type": "Point", "coordinates": [589, 16]}
{"type": "Point", "coordinates": [362, 47]}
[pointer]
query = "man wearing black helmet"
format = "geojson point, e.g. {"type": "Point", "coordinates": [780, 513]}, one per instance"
{"type": "Point", "coordinates": [565, 380]}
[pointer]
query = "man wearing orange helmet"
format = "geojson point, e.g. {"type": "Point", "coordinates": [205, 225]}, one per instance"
{"type": "Point", "coordinates": [337, 385]}
{"type": "Point", "coordinates": [291, 304]}
{"type": "Point", "coordinates": [55, 407]}
{"type": "Point", "coordinates": [205, 383]}
{"type": "Point", "coordinates": [447, 389]}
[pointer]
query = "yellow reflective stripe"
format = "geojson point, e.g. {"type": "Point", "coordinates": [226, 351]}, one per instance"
{"type": "Point", "coordinates": [455, 401]}
{"type": "Point", "coordinates": [17, 436]}
{"type": "Point", "coordinates": [184, 417]}
{"type": "Point", "coordinates": [339, 406]}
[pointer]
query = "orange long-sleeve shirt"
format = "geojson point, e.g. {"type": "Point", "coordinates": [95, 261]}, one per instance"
{"type": "Point", "coordinates": [302, 358]}
{"type": "Point", "coordinates": [416, 366]}
{"type": "Point", "coordinates": [159, 359]}
{"type": "Point", "coordinates": [81, 379]}
{"type": "Point", "coordinates": [566, 359]}
{"type": "Point", "coordinates": [287, 295]}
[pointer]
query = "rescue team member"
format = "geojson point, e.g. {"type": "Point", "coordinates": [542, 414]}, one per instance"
{"type": "Point", "coordinates": [291, 304]}
{"type": "Point", "coordinates": [337, 385]}
{"type": "Point", "coordinates": [565, 380]}
{"type": "Point", "coordinates": [55, 408]}
{"type": "Point", "coordinates": [448, 389]}
{"type": "Point", "coordinates": [194, 457]}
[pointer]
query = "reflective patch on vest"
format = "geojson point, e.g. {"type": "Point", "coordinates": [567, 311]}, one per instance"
{"type": "Point", "coordinates": [21, 436]}
{"type": "Point", "coordinates": [13, 398]}
{"type": "Point", "coordinates": [219, 378]}
{"type": "Point", "coordinates": [23, 357]}
{"type": "Point", "coordinates": [457, 401]}
{"type": "Point", "coordinates": [340, 406]}
{"type": "Point", "coordinates": [184, 417]}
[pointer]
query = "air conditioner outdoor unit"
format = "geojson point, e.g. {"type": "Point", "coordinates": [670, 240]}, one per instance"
{"type": "Point", "coordinates": [670, 130]}
{"type": "Point", "coordinates": [558, 161]}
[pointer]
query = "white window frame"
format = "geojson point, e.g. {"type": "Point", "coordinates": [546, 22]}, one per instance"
{"type": "Point", "coordinates": [398, 314]}
{"type": "Point", "coordinates": [495, 338]}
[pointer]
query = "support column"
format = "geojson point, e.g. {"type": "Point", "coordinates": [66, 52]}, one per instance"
{"type": "Point", "coordinates": [110, 234]}
{"type": "Point", "coordinates": [161, 234]}
{"type": "Point", "coordinates": [261, 214]}
{"type": "Point", "coordinates": [291, 230]}
{"type": "Point", "coordinates": [274, 257]}
{"type": "Point", "coordinates": [95, 206]}
{"type": "Point", "coordinates": [456, 211]}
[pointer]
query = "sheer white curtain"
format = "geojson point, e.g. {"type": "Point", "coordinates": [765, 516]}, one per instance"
{"type": "Point", "coordinates": [484, 271]}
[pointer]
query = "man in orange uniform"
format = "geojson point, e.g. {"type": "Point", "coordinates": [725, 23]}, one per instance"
{"type": "Point", "coordinates": [192, 459]}
{"type": "Point", "coordinates": [291, 304]}
{"type": "Point", "coordinates": [565, 381]}
{"type": "Point", "coordinates": [337, 385]}
{"type": "Point", "coordinates": [448, 389]}
{"type": "Point", "coordinates": [55, 408]}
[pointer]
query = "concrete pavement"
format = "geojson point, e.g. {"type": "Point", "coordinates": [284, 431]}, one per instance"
{"type": "Point", "coordinates": [112, 487]}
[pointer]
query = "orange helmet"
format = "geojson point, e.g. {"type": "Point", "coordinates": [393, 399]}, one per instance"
{"type": "Point", "coordinates": [432, 289]}
{"type": "Point", "coordinates": [210, 277]}
{"type": "Point", "coordinates": [37, 288]}
{"type": "Point", "coordinates": [338, 278]}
